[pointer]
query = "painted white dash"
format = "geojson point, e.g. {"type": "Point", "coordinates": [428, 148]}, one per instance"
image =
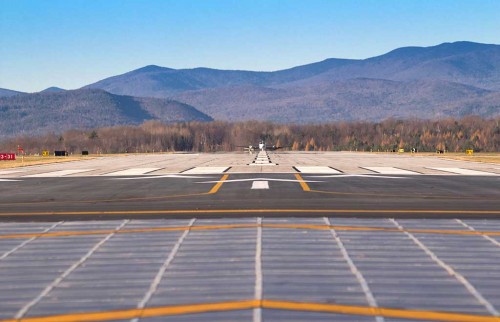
{"type": "Point", "coordinates": [466, 172]}
{"type": "Point", "coordinates": [24, 243]}
{"type": "Point", "coordinates": [24, 310]}
{"type": "Point", "coordinates": [4, 172]}
{"type": "Point", "coordinates": [156, 281]}
{"type": "Point", "coordinates": [307, 169]}
{"type": "Point", "coordinates": [132, 172]}
{"type": "Point", "coordinates": [354, 270]}
{"type": "Point", "coordinates": [257, 312]}
{"type": "Point", "coordinates": [55, 174]}
{"type": "Point", "coordinates": [389, 170]}
{"type": "Point", "coordinates": [206, 170]}
{"type": "Point", "coordinates": [260, 185]}
{"type": "Point", "coordinates": [488, 238]}
{"type": "Point", "coordinates": [449, 269]}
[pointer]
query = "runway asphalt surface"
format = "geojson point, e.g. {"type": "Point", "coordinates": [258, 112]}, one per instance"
{"type": "Point", "coordinates": [86, 198]}
{"type": "Point", "coordinates": [217, 237]}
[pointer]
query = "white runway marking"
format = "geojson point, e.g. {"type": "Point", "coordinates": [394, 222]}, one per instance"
{"type": "Point", "coordinates": [488, 238]}
{"type": "Point", "coordinates": [8, 180]}
{"type": "Point", "coordinates": [389, 170]}
{"type": "Point", "coordinates": [465, 171]}
{"type": "Point", "coordinates": [164, 176]}
{"type": "Point", "coordinates": [55, 174]}
{"type": "Point", "coordinates": [359, 276]}
{"type": "Point", "coordinates": [258, 179]}
{"type": "Point", "coordinates": [449, 269]}
{"type": "Point", "coordinates": [22, 312]}
{"type": "Point", "coordinates": [206, 170]}
{"type": "Point", "coordinates": [260, 185]}
{"type": "Point", "coordinates": [3, 172]}
{"type": "Point", "coordinates": [156, 281]}
{"type": "Point", "coordinates": [356, 175]}
{"type": "Point", "coordinates": [257, 313]}
{"type": "Point", "coordinates": [327, 170]}
{"type": "Point", "coordinates": [262, 159]}
{"type": "Point", "coordinates": [132, 172]}
{"type": "Point", "coordinates": [26, 242]}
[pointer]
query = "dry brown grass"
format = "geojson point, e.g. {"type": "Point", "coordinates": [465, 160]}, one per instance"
{"type": "Point", "coordinates": [34, 160]}
{"type": "Point", "coordinates": [486, 157]}
{"type": "Point", "coordinates": [476, 157]}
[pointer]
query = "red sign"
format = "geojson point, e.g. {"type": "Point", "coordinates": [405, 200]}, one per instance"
{"type": "Point", "coordinates": [7, 156]}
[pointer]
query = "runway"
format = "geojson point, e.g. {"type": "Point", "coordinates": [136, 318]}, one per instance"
{"type": "Point", "coordinates": [296, 237]}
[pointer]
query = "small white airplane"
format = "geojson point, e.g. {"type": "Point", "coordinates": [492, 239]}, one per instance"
{"type": "Point", "coordinates": [261, 147]}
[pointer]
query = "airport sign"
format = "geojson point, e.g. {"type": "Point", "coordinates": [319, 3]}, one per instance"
{"type": "Point", "coordinates": [7, 156]}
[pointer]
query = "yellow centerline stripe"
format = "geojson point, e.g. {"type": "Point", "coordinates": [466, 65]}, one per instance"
{"type": "Point", "coordinates": [264, 304]}
{"type": "Point", "coordinates": [242, 226]}
{"type": "Point", "coordinates": [303, 184]}
{"type": "Point", "coordinates": [219, 184]}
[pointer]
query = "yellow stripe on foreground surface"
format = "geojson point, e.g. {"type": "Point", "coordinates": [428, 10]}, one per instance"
{"type": "Point", "coordinates": [243, 226]}
{"type": "Point", "coordinates": [264, 304]}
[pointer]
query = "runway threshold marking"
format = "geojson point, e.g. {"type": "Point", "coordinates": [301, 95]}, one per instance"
{"type": "Point", "coordinates": [467, 172]}
{"type": "Point", "coordinates": [206, 170]}
{"type": "Point", "coordinates": [246, 226]}
{"type": "Point", "coordinates": [316, 170]}
{"type": "Point", "coordinates": [390, 170]}
{"type": "Point", "coordinates": [174, 310]}
{"type": "Point", "coordinates": [131, 172]}
{"type": "Point", "coordinates": [60, 173]}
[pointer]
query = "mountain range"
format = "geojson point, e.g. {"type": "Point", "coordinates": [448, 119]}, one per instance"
{"type": "Point", "coordinates": [58, 111]}
{"type": "Point", "coordinates": [447, 80]}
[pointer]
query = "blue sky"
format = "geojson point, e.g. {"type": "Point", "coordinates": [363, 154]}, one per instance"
{"type": "Point", "coordinates": [71, 43]}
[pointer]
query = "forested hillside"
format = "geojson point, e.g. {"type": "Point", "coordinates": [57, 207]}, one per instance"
{"type": "Point", "coordinates": [424, 135]}
{"type": "Point", "coordinates": [82, 109]}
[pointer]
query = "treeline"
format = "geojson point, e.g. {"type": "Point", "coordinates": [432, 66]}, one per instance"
{"type": "Point", "coordinates": [454, 135]}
